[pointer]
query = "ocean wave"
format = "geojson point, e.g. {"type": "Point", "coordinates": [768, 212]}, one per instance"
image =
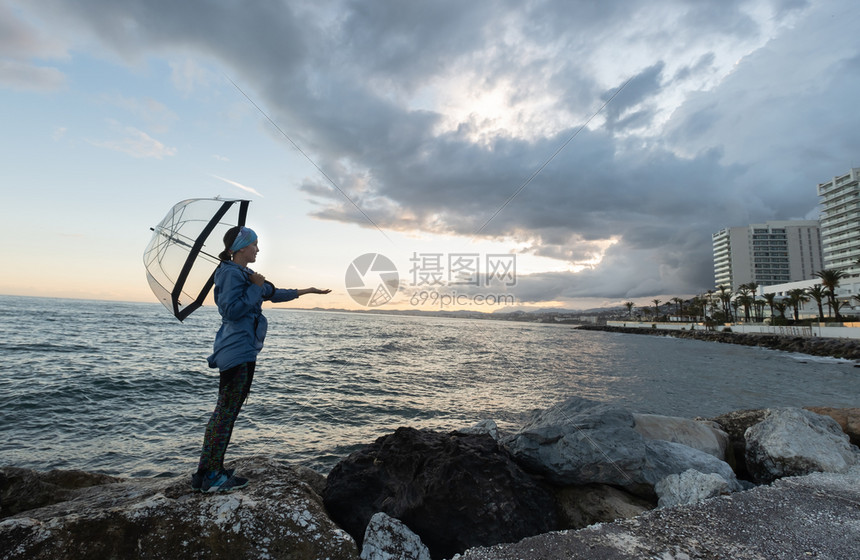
{"type": "Point", "coordinates": [47, 347]}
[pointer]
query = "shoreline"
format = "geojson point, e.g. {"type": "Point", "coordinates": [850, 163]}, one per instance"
{"type": "Point", "coordinates": [846, 349]}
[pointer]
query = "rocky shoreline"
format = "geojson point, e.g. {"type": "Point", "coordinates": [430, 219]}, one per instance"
{"type": "Point", "coordinates": [581, 479]}
{"type": "Point", "coordinates": [814, 346]}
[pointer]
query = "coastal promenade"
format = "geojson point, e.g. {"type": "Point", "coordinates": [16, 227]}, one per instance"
{"type": "Point", "coordinates": [798, 339]}
{"type": "Point", "coordinates": [820, 330]}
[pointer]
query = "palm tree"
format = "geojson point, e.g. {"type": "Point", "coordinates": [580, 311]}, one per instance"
{"type": "Point", "coordinates": [745, 300]}
{"type": "Point", "coordinates": [796, 298]}
{"type": "Point", "coordinates": [818, 294]}
{"type": "Point", "coordinates": [629, 305]}
{"type": "Point", "coordinates": [680, 303]}
{"type": "Point", "coordinates": [780, 307]}
{"type": "Point", "coordinates": [841, 304]}
{"type": "Point", "coordinates": [769, 299]}
{"type": "Point", "coordinates": [726, 298]}
{"type": "Point", "coordinates": [830, 280]}
{"type": "Point", "coordinates": [753, 288]}
{"type": "Point", "coordinates": [656, 307]}
{"type": "Point", "coordinates": [700, 306]}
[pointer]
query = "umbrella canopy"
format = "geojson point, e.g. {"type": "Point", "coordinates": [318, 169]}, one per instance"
{"type": "Point", "coordinates": [181, 258]}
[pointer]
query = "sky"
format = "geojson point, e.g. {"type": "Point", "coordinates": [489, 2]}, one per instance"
{"type": "Point", "coordinates": [590, 147]}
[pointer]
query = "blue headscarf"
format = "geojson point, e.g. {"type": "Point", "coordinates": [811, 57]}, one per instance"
{"type": "Point", "coordinates": [245, 237]}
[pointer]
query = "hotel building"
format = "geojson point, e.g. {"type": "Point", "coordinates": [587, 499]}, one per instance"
{"type": "Point", "coordinates": [775, 252]}
{"type": "Point", "coordinates": [840, 223]}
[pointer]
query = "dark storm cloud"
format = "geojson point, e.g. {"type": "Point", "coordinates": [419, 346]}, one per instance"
{"type": "Point", "coordinates": [637, 90]}
{"type": "Point", "coordinates": [405, 41]}
{"type": "Point", "coordinates": [687, 148]}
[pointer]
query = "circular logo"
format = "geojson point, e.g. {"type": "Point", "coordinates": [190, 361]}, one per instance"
{"type": "Point", "coordinates": [372, 280]}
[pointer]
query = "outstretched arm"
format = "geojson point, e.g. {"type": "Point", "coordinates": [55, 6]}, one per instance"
{"type": "Point", "coordinates": [280, 295]}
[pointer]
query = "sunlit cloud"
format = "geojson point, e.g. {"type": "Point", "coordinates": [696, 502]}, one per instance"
{"type": "Point", "coordinates": [239, 186]}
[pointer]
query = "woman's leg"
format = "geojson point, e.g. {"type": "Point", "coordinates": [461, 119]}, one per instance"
{"type": "Point", "coordinates": [233, 389]}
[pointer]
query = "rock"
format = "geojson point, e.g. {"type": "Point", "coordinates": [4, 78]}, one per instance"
{"type": "Point", "coordinates": [793, 442]}
{"type": "Point", "coordinates": [483, 427]}
{"type": "Point", "coordinates": [848, 419]}
{"type": "Point", "coordinates": [277, 515]}
{"type": "Point", "coordinates": [735, 424]}
{"type": "Point", "coordinates": [313, 479]}
{"type": "Point", "coordinates": [387, 538]}
{"type": "Point", "coordinates": [454, 490]}
{"type": "Point", "coordinates": [582, 442]}
{"type": "Point", "coordinates": [815, 516]}
{"type": "Point", "coordinates": [23, 489]}
{"type": "Point", "coordinates": [690, 487]}
{"type": "Point", "coordinates": [665, 458]}
{"type": "Point", "coordinates": [581, 506]}
{"type": "Point", "coordinates": [702, 435]}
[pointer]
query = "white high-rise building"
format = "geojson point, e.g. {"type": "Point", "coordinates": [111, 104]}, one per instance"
{"type": "Point", "coordinates": [774, 252]}
{"type": "Point", "coordinates": [840, 223]}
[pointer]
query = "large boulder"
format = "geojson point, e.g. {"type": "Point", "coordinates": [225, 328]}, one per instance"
{"type": "Point", "coordinates": [794, 442]}
{"type": "Point", "coordinates": [848, 419]}
{"type": "Point", "coordinates": [277, 515]}
{"type": "Point", "coordinates": [581, 442]}
{"type": "Point", "coordinates": [454, 490]}
{"type": "Point", "coordinates": [702, 435]}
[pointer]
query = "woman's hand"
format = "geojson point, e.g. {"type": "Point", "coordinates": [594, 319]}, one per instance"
{"type": "Point", "coordinates": [312, 291]}
{"type": "Point", "coordinates": [257, 278]}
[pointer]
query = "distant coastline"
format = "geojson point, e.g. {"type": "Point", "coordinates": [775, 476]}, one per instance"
{"type": "Point", "coordinates": [814, 346]}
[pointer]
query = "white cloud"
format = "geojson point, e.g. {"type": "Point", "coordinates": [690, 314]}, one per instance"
{"type": "Point", "coordinates": [239, 186]}
{"type": "Point", "coordinates": [28, 77]}
{"type": "Point", "coordinates": [154, 114]}
{"type": "Point", "coordinates": [187, 76]}
{"type": "Point", "coordinates": [135, 143]}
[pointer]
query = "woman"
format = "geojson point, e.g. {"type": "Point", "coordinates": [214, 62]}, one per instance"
{"type": "Point", "coordinates": [239, 294]}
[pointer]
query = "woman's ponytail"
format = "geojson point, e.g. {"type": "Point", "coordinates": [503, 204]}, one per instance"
{"type": "Point", "coordinates": [229, 238]}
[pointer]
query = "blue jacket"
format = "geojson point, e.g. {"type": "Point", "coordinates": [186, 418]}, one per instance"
{"type": "Point", "coordinates": [243, 326]}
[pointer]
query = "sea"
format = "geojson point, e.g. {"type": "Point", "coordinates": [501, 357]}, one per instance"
{"type": "Point", "coordinates": [124, 388]}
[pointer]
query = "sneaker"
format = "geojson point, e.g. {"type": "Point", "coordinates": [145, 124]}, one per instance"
{"type": "Point", "coordinates": [197, 479]}
{"type": "Point", "coordinates": [222, 482]}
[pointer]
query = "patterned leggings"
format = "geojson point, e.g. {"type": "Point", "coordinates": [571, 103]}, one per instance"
{"type": "Point", "coordinates": [232, 391]}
